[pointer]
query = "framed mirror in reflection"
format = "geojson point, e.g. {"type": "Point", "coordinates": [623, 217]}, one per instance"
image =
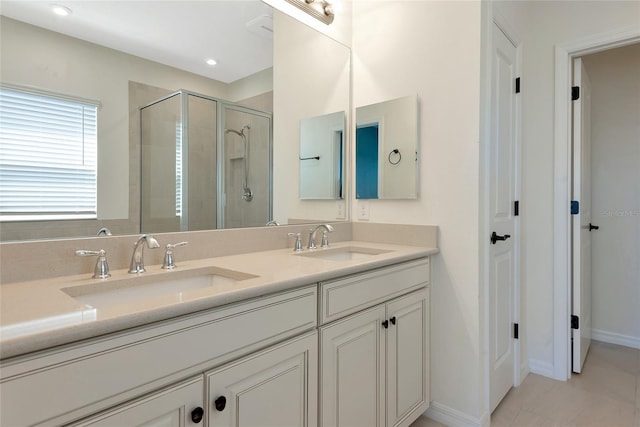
{"type": "Point", "coordinates": [387, 150]}
{"type": "Point", "coordinates": [261, 57]}
{"type": "Point", "coordinates": [321, 157]}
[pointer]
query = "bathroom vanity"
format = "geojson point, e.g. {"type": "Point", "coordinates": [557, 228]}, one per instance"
{"type": "Point", "coordinates": [336, 336]}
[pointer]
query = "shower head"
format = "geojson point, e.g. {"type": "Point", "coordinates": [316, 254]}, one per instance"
{"type": "Point", "coordinates": [240, 132]}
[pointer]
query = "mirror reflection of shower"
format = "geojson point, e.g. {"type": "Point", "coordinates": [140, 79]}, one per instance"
{"type": "Point", "coordinates": [202, 160]}
{"type": "Point", "coordinates": [247, 195]}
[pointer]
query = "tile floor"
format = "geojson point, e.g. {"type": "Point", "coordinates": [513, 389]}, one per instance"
{"type": "Point", "coordinates": [605, 394]}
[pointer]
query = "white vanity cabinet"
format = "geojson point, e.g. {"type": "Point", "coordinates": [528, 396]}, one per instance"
{"type": "Point", "coordinates": [273, 387]}
{"type": "Point", "coordinates": [62, 385]}
{"type": "Point", "coordinates": [375, 363]}
{"type": "Point", "coordinates": [276, 387]}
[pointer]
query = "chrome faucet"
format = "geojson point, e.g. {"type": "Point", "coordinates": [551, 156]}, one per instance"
{"type": "Point", "coordinates": [325, 239]}
{"type": "Point", "coordinates": [137, 258]}
{"type": "Point", "coordinates": [104, 231]}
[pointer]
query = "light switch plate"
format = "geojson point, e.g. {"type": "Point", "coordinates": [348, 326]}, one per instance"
{"type": "Point", "coordinates": [363, 210]}
{"type": "Point", "coordinates": [340, 209]}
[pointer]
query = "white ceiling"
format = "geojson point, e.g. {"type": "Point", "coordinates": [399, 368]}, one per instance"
{"type": "Point", "coordinates": [182, 34]}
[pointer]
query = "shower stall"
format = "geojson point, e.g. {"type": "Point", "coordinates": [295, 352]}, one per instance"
{"type": "Point", "coordinates": [206, 163]}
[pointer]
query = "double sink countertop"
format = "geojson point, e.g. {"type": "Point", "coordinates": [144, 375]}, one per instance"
{"type": "Point", "coordinates": [41, 314]}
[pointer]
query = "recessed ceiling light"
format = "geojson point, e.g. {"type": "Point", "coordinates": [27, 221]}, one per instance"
{"type": "Point", "coordinates": [211, 62]}
{"type": "Point", "coordinates": [60, 10]}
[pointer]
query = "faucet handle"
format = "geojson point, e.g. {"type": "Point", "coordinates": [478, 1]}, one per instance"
{"type": "Point", "coordinates": [101, 270]}
{"type": "Point", "coordinates": [169, 262]}
{"type": "Point", "coordinates": [298, 245]}
{"type": "Point", "coordinates": [325, 239]}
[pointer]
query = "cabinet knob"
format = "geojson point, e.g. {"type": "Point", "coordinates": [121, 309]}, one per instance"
{"type": "Point", "coordinates": [385, 324]}
{"type": "Point", "coordinates": [197, 414]}
{"type": "Point", "coordinates": [393, 320]}
{"type": "Point", "coordinates": [220, 403]}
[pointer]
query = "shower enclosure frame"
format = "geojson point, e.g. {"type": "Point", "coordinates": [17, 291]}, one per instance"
{"type": "Point", "coordinates": [221, 105]}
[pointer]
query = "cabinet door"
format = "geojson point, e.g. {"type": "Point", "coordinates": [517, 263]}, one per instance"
{"type": "Point", "coordinates": [175, 406]}
{"type": "Point", "coordinates": [352, 373]}
{"type": "Point", "coordinates": [276, 387]}
{"type": "Point", "coordinates": [407, 358]}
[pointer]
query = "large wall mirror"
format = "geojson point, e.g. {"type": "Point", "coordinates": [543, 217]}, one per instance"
{"type": "Point", "coordinates": [387, 149]}
{"type": "Point", "coordinates": [243, 113]}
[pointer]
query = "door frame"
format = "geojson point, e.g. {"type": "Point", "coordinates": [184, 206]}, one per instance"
{"type": "Point", "coordinates": [564, 55]}
{"type": "Point", "coordinates": [491, 16]}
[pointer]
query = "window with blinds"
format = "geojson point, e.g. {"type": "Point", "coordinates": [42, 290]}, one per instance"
{"type": "Point", "coordinates": [48, 156]}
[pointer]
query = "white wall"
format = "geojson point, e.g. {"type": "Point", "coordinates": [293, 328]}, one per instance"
{"type": "Point", "coordinates": [432, 48]}
{"type": "Point", "coordinates": [548, 23]}
{"type": "Point", "coordinates": [615, 135]}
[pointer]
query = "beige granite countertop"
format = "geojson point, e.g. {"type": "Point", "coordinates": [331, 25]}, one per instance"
{"type": "Point", "coordinates": [42, 314]}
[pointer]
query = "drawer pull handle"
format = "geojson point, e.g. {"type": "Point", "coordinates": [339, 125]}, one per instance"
{"type": "Point", "coordinates": [220, 403]}
{"type": "Point", "coordinates": [197, 414]}
{"type": "Point", "coordinates": [385, 324]}
{"type": "Point", "coordinates": [393, 320]}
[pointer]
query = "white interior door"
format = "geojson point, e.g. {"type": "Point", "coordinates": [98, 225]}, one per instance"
{"type": "Point", "coordinates": [502, 247]}
{"type": "Point", "coordinates": [581, 222]}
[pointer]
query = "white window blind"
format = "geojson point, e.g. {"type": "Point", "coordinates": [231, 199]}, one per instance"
{"type": "Point", "coordinates": [48, 156]}
{"type": "Point", "coordinates": [178, 169]}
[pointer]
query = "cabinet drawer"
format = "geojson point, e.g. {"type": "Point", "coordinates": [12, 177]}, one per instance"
{"type": "Point", "coordinates": [172, 406]}
{"type": "Point", "coordinates": [91, 376]}
{"type": "Point", "coordinates": [348, 295]}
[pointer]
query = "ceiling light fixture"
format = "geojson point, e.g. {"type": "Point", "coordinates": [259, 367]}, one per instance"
{"type": "Point", "coordinates": [211, 62]}
{"type": "Point", "coordinates": [322, 10]}
{"type": "Point", "coordinates": [60, 10]}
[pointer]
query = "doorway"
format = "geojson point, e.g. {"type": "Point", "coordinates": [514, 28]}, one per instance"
{"type": "Point", "coordinates": [615, 196]}
{"type": "Point", "coordinates": [565, 54]}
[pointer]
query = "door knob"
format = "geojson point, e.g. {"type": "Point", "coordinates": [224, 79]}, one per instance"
{"type": "Point", "coordinates": [593, 227]}
{"type": "Point", "coordinates": [393, 320]}
{"type": "Point", "coordinates": [385, 324]}
{"type": "Point", "coordinates": [495, 237]}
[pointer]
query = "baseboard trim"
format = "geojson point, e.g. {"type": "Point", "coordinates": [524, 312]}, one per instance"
{"type": "Point", "coordinates": [614, 338]}
{"type": "Point", "coordinates": [454, 418]}
{"type": "Point", "coordinates": [541, 368]}
{"type": "Point", "coordinates": [524, 371]}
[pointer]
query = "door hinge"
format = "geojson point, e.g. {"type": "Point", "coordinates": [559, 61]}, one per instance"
{"type": "Point", "coordinates": [575, 93]}
{"type": "Point", "coordinates": [517, 84]}
{"type": "Point", "coordinates": [575, 207]}
{"type": "Point", "coordinates": [515, 331]}
{"type": "Point", "coordinates": [575, 322]}
{"type": "Point", "coordinates": [516, 208]}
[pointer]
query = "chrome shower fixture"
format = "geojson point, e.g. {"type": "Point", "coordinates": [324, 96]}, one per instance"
{"type": "Point", "coordinates": [322, 10]}
{"type": "Point", "coordinates": [247, 194]}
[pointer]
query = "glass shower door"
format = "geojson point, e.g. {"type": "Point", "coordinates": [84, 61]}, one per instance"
{"type": "Point", "coordinates": [247, 157]}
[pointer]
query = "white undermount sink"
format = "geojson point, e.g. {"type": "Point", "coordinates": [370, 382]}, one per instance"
{"type": "Point", "coordinates": [348, 253]}
{"type": "Point", "coordinates": [137, 288]}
